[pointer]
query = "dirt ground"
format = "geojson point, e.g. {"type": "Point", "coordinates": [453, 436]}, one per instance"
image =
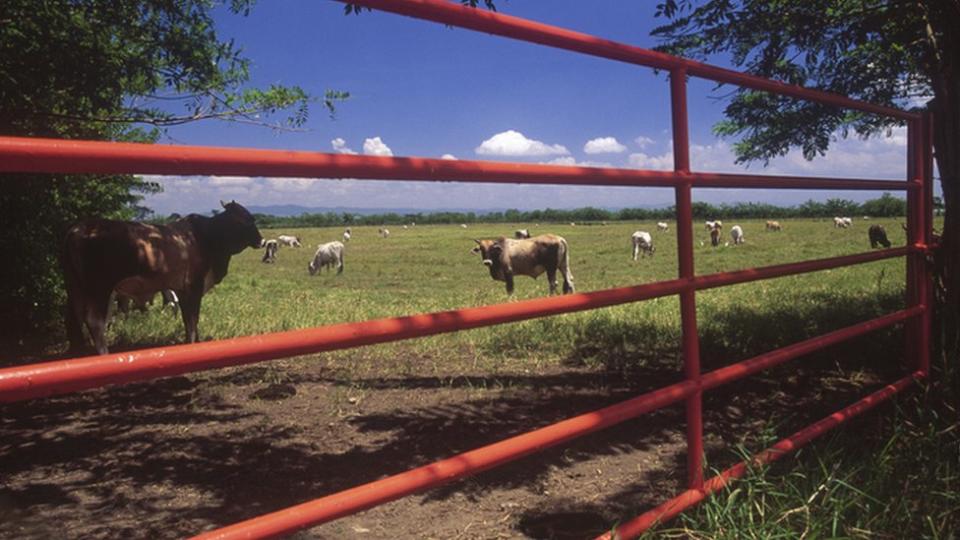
{"type": "Point", "coordinates": [179, 456]}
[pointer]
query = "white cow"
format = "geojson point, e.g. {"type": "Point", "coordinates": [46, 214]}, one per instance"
{"type": "Point", "coordinates": [642, 241]}
{"type": "Point", "coordinates": [711, 225]}
{"type": "Point", "coordinates": [736, 234]}
{"type": "Point", "coordinates": [328, 255]}
{"type": "Point", "coordinates": [346, 235]}
{"type": "Point", "coordinates": [662, 226]}
{"type": "Point", "coordinates": [384, 233]}
{"type": "Point", "coordinates": [463, 225]}
{"type": "Point", "coordinates": [270, 251]}
{"type": "Point", "coordinates": [842, 222]}
{"type": "Point", "coordinates": [520, 234]}
{"type": "Point", "coordinates": [847, 222]}
{"type": "Point", "coordinates": [289, 240]}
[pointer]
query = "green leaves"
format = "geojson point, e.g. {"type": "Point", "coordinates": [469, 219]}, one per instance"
{"type": "Point", "coordinates": [871, 51]}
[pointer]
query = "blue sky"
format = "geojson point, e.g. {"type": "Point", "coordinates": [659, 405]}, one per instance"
{"type": "Point", "coordinates": [423, 89]}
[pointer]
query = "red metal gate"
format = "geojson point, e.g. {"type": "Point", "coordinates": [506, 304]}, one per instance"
{"type": "Point", "coordinates": [61, 156]}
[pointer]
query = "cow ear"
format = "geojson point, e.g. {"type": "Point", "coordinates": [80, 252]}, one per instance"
{"type": "Point", "coordinates": [223, 204]}
{"type": "Point", "coordinates": [477, 241]}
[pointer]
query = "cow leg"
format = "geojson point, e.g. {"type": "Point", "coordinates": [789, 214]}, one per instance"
{"type": "Point", "coordinates": [552, 278]}
{"type": "Point", "coordinates": [74, 322]}
{"type": "Point", "coordinates": [509, 279]}
{"type": "Point", "coordinates": [636, 250]}
{"type": "Point", "coordinates": [567, 282]}
{"type": "Point", "coordinates": [190, 312]}
{"type": "Point", "coordinates": [95, 315]}
{"type": "Point", "coordinates": [340, 267]}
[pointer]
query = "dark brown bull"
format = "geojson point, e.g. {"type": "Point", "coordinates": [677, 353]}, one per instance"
{"type": "Point", "coordinates": [189, 256]}
{"type": "Point", "coordinates": [507, 257]}
{"type": "Point", "coordinates": [878, 236]}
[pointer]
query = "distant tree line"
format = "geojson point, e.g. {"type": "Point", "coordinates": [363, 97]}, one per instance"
{"type": "Point", "coordinates": [885, 206]}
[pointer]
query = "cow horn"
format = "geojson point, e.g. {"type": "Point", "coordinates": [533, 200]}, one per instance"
{"type": "Point", "coordinates": [223, 204]}
{"type": "Point", "coordinates": [477, 241]}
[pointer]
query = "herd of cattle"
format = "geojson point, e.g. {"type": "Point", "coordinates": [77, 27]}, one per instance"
{"type": "Point", "coordinates": [105, 259]}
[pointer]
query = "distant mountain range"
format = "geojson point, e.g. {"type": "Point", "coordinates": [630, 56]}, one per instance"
{"type": "Point", "coordinates": [288, 210]}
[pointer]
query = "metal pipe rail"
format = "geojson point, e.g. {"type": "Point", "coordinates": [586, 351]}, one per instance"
{"type": "Point", "coordinates": [65, 376]}
{"type": "Point", "coordinates": [24, 155]}
{"type": "Point", "coordinates": [366, 496]}
{"type": "Point", "coordinates": [67, 156]}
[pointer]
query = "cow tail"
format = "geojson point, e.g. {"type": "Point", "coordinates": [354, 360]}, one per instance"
{"type": "Point", "coordinates": [564, 262]}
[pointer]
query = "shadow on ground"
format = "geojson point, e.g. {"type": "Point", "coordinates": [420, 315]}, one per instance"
{"type": "Point", "coordinates": [177, 456]}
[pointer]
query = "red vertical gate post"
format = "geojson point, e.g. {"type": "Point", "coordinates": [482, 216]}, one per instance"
{"type": "Point", "coordinates": [919, 221]}
{"type": "Point", "coordinates": [924, 174]}
{"type": "Point", "coordinates": [688, 303]}
{"type": "Point", "coordinates": [911, 329]}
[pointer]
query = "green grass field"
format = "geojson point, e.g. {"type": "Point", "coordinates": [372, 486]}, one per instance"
{"type": "Point", "coordinates": [430, 268]}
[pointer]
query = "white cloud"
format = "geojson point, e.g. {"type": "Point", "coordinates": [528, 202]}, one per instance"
{"type": "Point", "coordinates": [449, 156]}
{"type": "Point", "coordinates": [570, 161]}
{"type": "Point", "coordinates": [513, 143]}
{"type": "Point", "coordinates": [234, 181]}
{"type": "Point", "coordinates": [604, 145]}
{"type": "Point", "coordinates": [643, 142]}
{"type": "Point", "coordinates": [376, 147]}
{"type": "Point", "coordinates": [340, 146]}
{"type": "Point", "coordinates": [662, 162]}
{"type": "Point", "coordinates": [291, 184]}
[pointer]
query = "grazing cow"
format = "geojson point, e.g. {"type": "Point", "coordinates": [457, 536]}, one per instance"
{"type": "Point", "coordinates": [774, 226]}
{"type": "Point", "coordinates": [642, 243]}
{"type": "Point", "coordinates": [346, 235]}
{"type": "Point", "coordinates": [715, 232]}
{"type": "Point", "coordinates": [842, 222]}
{"type": "Point", "coordinates": [662, 226]}
{"type": "Point", "coordinates": [507, 257]}
{"type": "Point", "coordinates": [878, 236]}
{"type": "Point", "coordinates": [521, 234]}
{"type": "Point", "coordinates": [463, 225]}
{"type": "Point", "coordinates": [289, 240]}
{"type": "Point", "coordinates": [328, 255]}
{"type": "Point", "coordinates": [188, 256]}
{"type": "Point", "coordinates": [736, 234]}
{"type": "Point", "coordinates": [270, 248]}
{"type": "Point", "coordinates": [384, 233]}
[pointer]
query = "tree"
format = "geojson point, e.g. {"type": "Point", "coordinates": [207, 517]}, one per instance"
{"type": "Point", "coordinates": [89, 69]}
{"type": "Point", "coordinates": [889, 52]}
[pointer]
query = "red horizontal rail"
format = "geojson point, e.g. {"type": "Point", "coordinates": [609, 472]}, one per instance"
{"type": "Point", "coordinates": [65, 376]}
{"type": "Point", "coordinates": [19, 154]}
{"type": "Point", "coordinates": [359, 498]}
{"type": "Point", "coordinates": [561, 38]}
{"type": "Point", "coordinates": [673, 507]}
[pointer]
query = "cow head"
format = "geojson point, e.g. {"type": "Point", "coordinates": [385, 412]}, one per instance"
{"type": "Point", "coordinates": [491, 253]}
{"type": "Point", "coordinates": [239, 227]}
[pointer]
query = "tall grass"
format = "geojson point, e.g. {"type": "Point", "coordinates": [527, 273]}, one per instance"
{"type": "Point", "coordinates": [894, 475]}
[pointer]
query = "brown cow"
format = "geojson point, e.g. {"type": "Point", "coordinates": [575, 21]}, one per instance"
{"type": "Point", "coordinates": [878, 236]}
{"type": "Point", "coordinates": [188, 256]}
{"type": "Point", "coordinates": [507, 257]}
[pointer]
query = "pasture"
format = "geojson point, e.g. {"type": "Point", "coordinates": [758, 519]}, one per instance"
{"type": "Point", "coordinates": [173, 457]}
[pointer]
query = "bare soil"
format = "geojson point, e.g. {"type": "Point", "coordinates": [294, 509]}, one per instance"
{"type": "Point", "coordinates": [179, 456]}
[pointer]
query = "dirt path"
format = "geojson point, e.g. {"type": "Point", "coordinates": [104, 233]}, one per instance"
{"type": "Point", "coordinates": [178, 456]}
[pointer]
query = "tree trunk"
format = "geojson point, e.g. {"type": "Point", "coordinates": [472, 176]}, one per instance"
{"type": "Point", "coordinates": [946, 141]}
